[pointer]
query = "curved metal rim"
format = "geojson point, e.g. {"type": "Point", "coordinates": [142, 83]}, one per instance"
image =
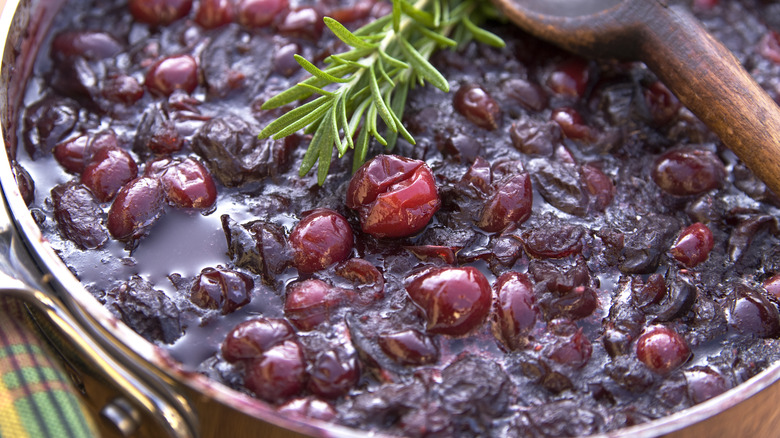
{"type": "Point", "coordinates": [159, 362]}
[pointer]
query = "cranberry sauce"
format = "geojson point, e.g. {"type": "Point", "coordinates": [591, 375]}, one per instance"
{"type": "Point", "coordinates": [565, 251]}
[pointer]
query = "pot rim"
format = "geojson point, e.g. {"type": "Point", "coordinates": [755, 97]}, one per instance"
{"type": "Point", "coordinates": [63, 284]}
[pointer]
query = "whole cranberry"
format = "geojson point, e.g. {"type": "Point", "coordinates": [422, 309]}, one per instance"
{"type": "Point", "coordinates": [333, 373]}
{"type": "Point", "coordinates": [661, 103]}
{"type": "Point", "coordinates": [570, 77]}
{"type": "Point", "coordinates": [188, 184]}
{"type": "Point", "coordinates": [73, 154]}
{"type": "Point", "coordinates": [753, 314]}
{"type": "Point", "coordinates": [109, 170]}
{"type": "Point", "coordinates": [598, 184]}
{"type": "Point", "coordinates": [510, 204]}
{"type": "Point", "coordinates": [571, 123]}
{"type": "Point", "coordinates": [24, 182]}
{"type": "Point", "coordinates": [303, 22]}
{"type": "Point", "coordinates": [409, 347]}
{"type": "Point", "coordinates": [573, 350]}
{"type": "Point", "coordinates": [320, 239]}
{"type": "Point", "coordinates": [215, 13]}
{"type": "Point", "coordinates": [515, 311]}
{"type": "Point", "coordinates": [136, 207]}
{"type": "Point", "coordinates": [705, 383]}
{"type": "Point", "coordinates": [278, 374]}
{"type": "Point", "coordinates": [684, 172]}
{"type": "Point", "coordinates": [259, 13]}
{"type": "Point", "coordinates": [694, 245]}
{"type": "Point", "coordinates": [662, 349]}
{"type": "Point", "coordinates": [455, 300]}
{"type": "Point", "coordinates": [478, 106]}
{"type": "Point", "coordinates": [159, 12]}
{"type": "Point", "coordinates": [651, 292]}
{"type": "Point", "coordinates": [85, 43]}
{"type": "Point", "coordinates": [123, 89]}
{"type": "Point", "coordinates": [252, 338]}
{"type": "Point", "coordinates": [176, 72]}
{"type": "Point", "coordinates": [395, 196]}
{"type": "Point", "coordinates": [221, 288]}
{"type": "Point", "coordinates": [311, 302]}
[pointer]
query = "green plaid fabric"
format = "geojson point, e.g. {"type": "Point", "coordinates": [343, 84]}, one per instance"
{"type": "Point", "coordinates": [37, 399]}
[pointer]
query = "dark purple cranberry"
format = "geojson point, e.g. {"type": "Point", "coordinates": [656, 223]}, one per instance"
{"type": "Point", "coordinates": [303, 22]}
{"type": "Point", "coordinates": [580, 302]}
{"type": "Point", "coordinates": [409, 347]}
{"type": "Point", "coordinates": [122, 89]}
{"type": "Point", "coordinates": [571, 123]}
{"type": "Point", "coordinates": [662, 349]}
{"type": "Point", "coordinates": [554, 241]}
{"type": "Point", "coordinates": [599, 186]}
{"type": "Point", "coordinates": [278, 374]}
{"type": "Point", "coordinates": [308, 408]}
{"type": "Point", "coordinates": [311, 302]}
{"type": "Point", "coordinates": [333, 373]}
{"type": "Point", "coordinates": [455, 300]}
{"type": "Point", "coordinates": [78, 215]}
{"type": "Point", "coordinates": [652, 291]}
{"type": "Point", "coordinates": [694, 245]}
{"type": "Point", "coordinates": [705, 383]}
{"type": "Point", "coordinates": [515, 311]}
{"type": "Point", "coordinates": [474, 102]}
{"type": "Point", "coordinates": [215, 13]}
{"type": "Point", "coordinates": [250, 339]}
{"type": "Point", "coordinates": [284, 60]}
{"type": "Point", "coordinates": [24, 182]}
{"type": "Point", "coordinates": [221, 288]}
{"type": "Point", "coordinates": [84, 43]}
{"type": "Point", "coordinates": [360, 10]}
{"type": "Point", "coordinates": [570, 78]}
{"type": "Point", "coordinates": [157, 134]}
{"type": "Point", "coordinates": [48, 122]}
{"type": "Point", "coordinates": [533, 137]}
{"type": "Point", "coordinates": [72, 154]}
{"type": "Point", "coordinates": [772, 285]}
{"type": "Point", "coordinates": [560, 184]}
{"type": "Point", "coordinates": [136, 207]}
{"type": "Point", "coordinates": [176, 72]}
{"type": "Point", "coordinates": [159, 12]}
{"type": "Point", "coordinates": [188, 184]}
{"type": "Point", "coordinates": [573, 349]}
{"type": "Point", "coordinates": [530, 95]}
{"type": "Point", "coordinates": [684, 172]}
{"type": "Point", "coordinates": [753, 314]}
{"type": "Point", "coordinates": [109, 170]}
{"type": "Point", "coordinates": [320, 239]}
{"type": "Point", "coordinates": [395, 196]}
{"type": "Point", "coordinates": [769, 47]}
{"type": "Point", "coordinates": [509, 205]}
{"type": "Point", "coordinates": [661, 103]}
{"type": "Point", "coordinates": [259, 13]}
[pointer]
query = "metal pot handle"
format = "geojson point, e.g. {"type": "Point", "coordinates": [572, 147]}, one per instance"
{"type": "Point", "coordinates": [145, 391]}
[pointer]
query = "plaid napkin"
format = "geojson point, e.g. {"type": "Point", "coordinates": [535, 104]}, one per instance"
{"type": "Point", "coordinates": [37, 399]}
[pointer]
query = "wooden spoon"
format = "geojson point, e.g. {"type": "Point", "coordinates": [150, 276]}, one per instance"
{"type": "Point", "coordinates": [700, 71]}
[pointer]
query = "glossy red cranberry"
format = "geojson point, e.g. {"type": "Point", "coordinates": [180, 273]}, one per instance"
{"type": "Point", "coordinates": [367, 279]}
{"type": "Point", "coordinates": [188, 184]}
{"type": "Point", "coordinates": [769, 47]}
{"type": "Point", "coordinates": [73, 154]}
{"type": "Point", "coordinates": [753, 314]}
{"type": "Point", "coordinates": [176, 72]}
{"type": "Point", "coordinates": [510, 204]}
{"type": "Point", "coordinates": [772, 285]}
{"type": "Point", "coordinates": [320, 239]}
{"type": "Point", "coordinates": [221, 288]}
{"type": "Point", "coordinates": [260, 13]}
{"type": "Point", "coordinates": [123, 89]}
{"type": "Point", "coordinates": [136, 207]}
{"type": "Point", "coordinates": [474, 102]}
{"type": "Point", "coordinates": [515, 311]}
{"type": "Point", "coordinates": [303, 22]}
{"type": "Point", "coordinates": [705, 383]}
{"type": "Point", "coordinates": [278, 374]}
{"type": "Point", "coordinates": [684, 172]}
{"type": "Point", "coordinates": [455, 300]}
{"type": "Point", "coordinates": [661, 103]}
{"type": "Point", "coordinates": [333, 373]}
{"type": "Point", "coordinates": [311, 302]}
{"type": "Point", "coordinates": [395, 196]}
{"type": "Point", "coordinates": [571, 123]}
{"type": "Point", "coordinates": [86, 44]}
{"type": "Point", "coordinates": [599, 186]}
{"type": "Point", "coordinates": [662, 349]}
{"type": "Point", "coordinates": [308, 408]}
{"type": "Point", "coordinates": [409, 347]}
{"type": "Point", "coordinates": [694, 245]}
{"type": "Point", "coordinates": [652, 291]}
{"type": "Point", "coordinates": [108, 171]}
{"type": "Point", "coordinates": [570, 78]}
{"type": "Point", "coordinates": [159, 12]}
{"type": "Point", "coordinates": [215, 13]}
{"type": "Point", "coordinates": [252, 338]}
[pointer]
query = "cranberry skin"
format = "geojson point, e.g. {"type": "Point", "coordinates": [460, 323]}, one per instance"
{"type": "Point", "coordinates": [409, 347]}
{"type": "Point", "coordinates": [515, 311]}
{"type": "Point", "coordinates": [72, 154]}
{"type": "Point", "coordinates": [333, 373]}
{"type": "Point", "coordinates": [600, 187]}
{"type": "Point", "coordinates": [159, 12]}
{"type": "Point", "coordinates": [574, 351]}
{"type": "Point", "coordinates": [772, 285]}
{"type": "Point", "coordinates": [705, 383]}
{"type": "Point", "coordinates": [177, 72]}
{"type": "Point", "coordinates": [694, 245]}
{"type": "Point", "coordinates": [321, 239]}
{"type": "Point", "coordinates": [478, 106]}
{"type": "Point", "coordinates": [215, 13]}
{"type": "Point", "coordinates": [278, 374]}
{"type": "Point", "coordinates": [752, 314]}
{"type": "Point", "coordinates": [571, 123]}
{"type": "Point", "coordinates": [570, 78]}
{"type": "Point", "coordinates": [769, 47]}
{"type": "Point", "coordinates": [311, 302]}
{"type": "Point", "coordinates": [189, 185]}
{"type": "Point", "coordinates": [221, 288]}
{"type": "Point", "coordinates": [250, 339]}
{"type": "Point", "coordinates": [109, 170]}
{"type": "Point", "coordinates": [259, 13]}
{"type": "Point", "coordinates": [123, 89]}
{"type": "Point", "coordinates": [510, 204]}
{"type": "Point", "coordinates": [661, 103]}
{"type": "Point", "coordinates": [136, 207]}
{"type": "Point", "coordinates": [395, 196]}
{"type": "Point", "coordinates": [303, 23]}
{"type": "Point", "coordinates": [87, 44]}
{"type": "Point", "coordinates": [455, 300]}
{"type": "Point", "coordinates": [684, 172]}
{"type": "Point", "coordinates": [662, 349]}
{"type": "Point", "coordinates": [24, 182]}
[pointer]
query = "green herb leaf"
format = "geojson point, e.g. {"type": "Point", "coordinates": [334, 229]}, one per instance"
{"type": "Point", "coordinates": [345, 35]}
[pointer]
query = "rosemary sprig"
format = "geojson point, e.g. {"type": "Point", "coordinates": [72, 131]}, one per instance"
{"type": "Point", "coordinates": [370, 82]}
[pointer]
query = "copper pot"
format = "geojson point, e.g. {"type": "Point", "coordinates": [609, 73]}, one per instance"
{"type": "Point", "coordinates": [140, 390]}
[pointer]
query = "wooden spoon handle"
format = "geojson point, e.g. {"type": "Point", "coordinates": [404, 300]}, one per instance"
{"type": "Point", "coordinates": [710, 81]}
